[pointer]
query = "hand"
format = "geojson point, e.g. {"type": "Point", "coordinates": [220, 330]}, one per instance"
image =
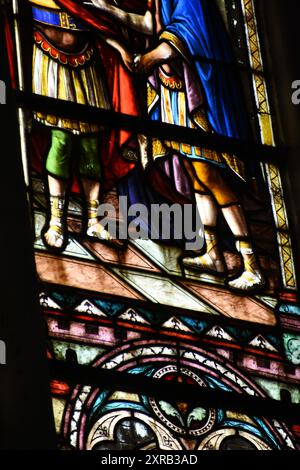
{"type": "Point", "coordinates": [127, 59]}
{"type": "Point", "coordinates": [163, 53]}
{"type": "Point", "coordinates": [146, 63]}
{"type": "Point", "coordinates": [102, 4]}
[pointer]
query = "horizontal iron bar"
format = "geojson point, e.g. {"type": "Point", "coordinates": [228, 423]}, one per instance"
{"type": "Point", "coordinates": [107, 379]}
{"type": "Point", "coordinates": [248, 150]}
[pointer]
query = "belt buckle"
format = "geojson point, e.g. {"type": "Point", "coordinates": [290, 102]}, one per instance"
{"type": "Point", "coordinates": [64, 20]}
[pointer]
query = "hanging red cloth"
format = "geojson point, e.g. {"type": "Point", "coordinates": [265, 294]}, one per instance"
{"type": "Point", "coordinates": [10, 50]}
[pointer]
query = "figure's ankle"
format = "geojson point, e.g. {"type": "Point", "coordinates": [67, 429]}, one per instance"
{"type": "Point", "coordinates": [57, 205]}
{"type": "Point", "coordinates": [92, 221]}
{"type": "Point", "coordinates": [212, 244]}
{"type": "Point", "coordinates": [92, 212]}
{"type": "Point", "coordinates": [245, 248]}
{"type": "Point", "coordinates": [250, 263]}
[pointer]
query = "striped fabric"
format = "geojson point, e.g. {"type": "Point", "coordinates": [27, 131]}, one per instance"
{"type": "Point", "coordinates": [173, 109]}
{"type": "Point", "coordinates": [82, 85]}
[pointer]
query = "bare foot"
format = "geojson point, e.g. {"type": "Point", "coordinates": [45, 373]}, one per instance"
{"type": "Point", "coordinates": [54, 235]}
{"type": "Point", "coordinates": [252, 278]}
{"type": "Point", "coordinates": [96, 230]}
{"type": "Point", "coordinates": [205, 263]}
{"type": "Point", "coordinates": [248, 281]}
{"type": "Point", "coordinates": [212, 261]}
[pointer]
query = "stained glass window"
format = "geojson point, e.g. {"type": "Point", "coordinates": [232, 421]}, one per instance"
{"type": "Point", "coordinates": [159, 223]}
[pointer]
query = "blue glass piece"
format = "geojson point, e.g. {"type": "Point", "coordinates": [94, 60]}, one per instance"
{"type": "Point", "coordinates": [289, 308]}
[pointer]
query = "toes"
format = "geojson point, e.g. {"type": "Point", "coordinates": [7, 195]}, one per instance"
{"type": "Point", "coordinates": [99, 232]}
{"type": "Point", "coordinates": [244, 283]}
{"type": "Point", "coordinates": [58, 243]}
{"type": "Point", "coordinates": [53, 240]}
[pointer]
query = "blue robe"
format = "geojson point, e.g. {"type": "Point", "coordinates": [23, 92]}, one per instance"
{"type": "Point", "coordinates": [199, 26]}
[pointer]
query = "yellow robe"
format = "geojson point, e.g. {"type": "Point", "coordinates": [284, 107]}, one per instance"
{"type": "Point", "coordinates": [80, 81]}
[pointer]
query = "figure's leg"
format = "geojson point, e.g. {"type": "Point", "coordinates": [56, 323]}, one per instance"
{"type": "Point", "coordinates": [90, 173]}
{"type": "Point", "coordinates": [212, 260]}
{"type": "Point", "coordinates": [58, 168]}
{"type": "Point", "coordinates": [251, 276]}
{"type": "Point", "coordinates": [211, 178]}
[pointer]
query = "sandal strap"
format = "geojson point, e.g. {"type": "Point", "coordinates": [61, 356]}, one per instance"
{"type": "Point", "coordinates": [207, 262]}
{"type": "Point", "coordinates": [244, 246]}
{"type": "Point", "coordinates": [92, 208]}
{"type": "Point", "coordinates": [211, 239]}
{"type": "Point", "coordinates": [57, 231]}
{"type": "Point", "coordinates": [57, 204]}
{"type": "Point", "coordinates": [250, 276]}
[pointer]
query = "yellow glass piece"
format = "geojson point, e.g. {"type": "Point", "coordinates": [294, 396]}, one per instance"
{"type": "Point", "coordinates": [152, 96]}
{"type": "Point", "coordinates": [158, 148]}
{"type": "Point", "coordinates": [46, 4]}
{"type": "Point", "coordinates": [267, 138]}
{"type": "Point", "coordinates": [58, 405]}
{"type": "Point", "coordinates": [266, 129]}
{"type": "Point", "coordinates": [239, 417]}
{"type": "Point", "coordinates": [118, 396]}
{"type": "Point", "coordinates": [281, 221]}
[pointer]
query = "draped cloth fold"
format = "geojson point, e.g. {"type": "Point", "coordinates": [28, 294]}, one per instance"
{"type": "Point", "coordinates": [210, 97]}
